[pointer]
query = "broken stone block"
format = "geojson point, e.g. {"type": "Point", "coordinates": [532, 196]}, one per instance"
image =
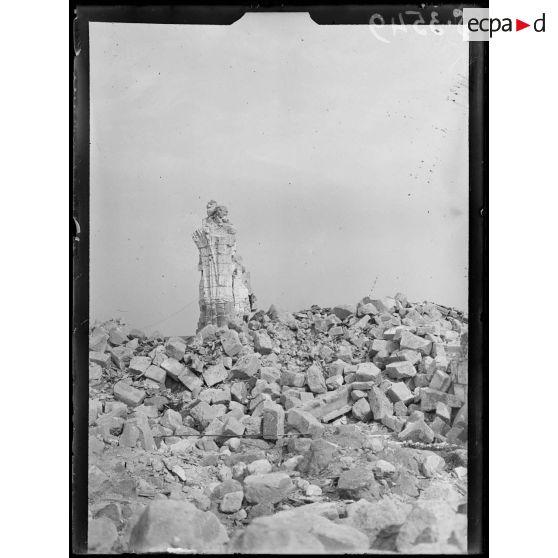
{"type": "Point", "coordinates": [438, 349]}
{"type": "Point", "coordinates": [231, 342]}
{"type": "Point", "coordinates": [362, 386]}
{"type": "Point", "coordinates": [117, 336]}
{"type": "Point", "coordinates": [139, 364]}
{"type": "Point", "coordinates": [262, 342]}
{"type": "Point", "coordinates": [150, 411]}
{"type": "Point", "coordinates": [175, 348]}
{"type": "Point", "coordinates": [440, 381]}
{"type": "Point", "coordinates": [258, 400]}
{"type": "Point", "coordinates": [383, 346]}
{"type": "Point", "coordinates": [203, 413]}
{"type": "Point", "coordinates": [156, 374]}
{"type": "Point", "coordinates": [367, 372]}
{"type": "Point", "coordinates": [398, 391]}
{"type": "Point", "coordinates": [101, 535]}
{"type": "Point", "coordinates": [95, 372]}
{"type": "Point", "coordinates": [246, 367]}
{"type": "Point", "coordinates": [133, 344]}
{"type": "Point", "coordinates": [417, 431]}
{"type": "Point", "coordinates": [459, 370]}
{"type": "Point", "coordinates": [383, 469]}
{"type": "Point", "coordinates": [128, 394]}
{"type": "Point", "coordinates": [337, 368]}
{"type": "Point", "coordinates": [110, 426]}
{"type": "Point", "coordinates": [380, 405]}
{"type": "Point", "coordinates": [440, 426]}
{"type": "Point", "coordinates": [215, 429]}
{"type": "Point", "coordinates": [329, 403]}
{"type": "Point", "coordinates": [273, 424]}
{"type": "Point", "coordinates": [361, 410]}
{"type": "Point", "coordinates": [137, 334]}
{"type": "Point", "coordinates": [145, 434]}
{"type": "Point", "coordinates": [358, 483]}
{"type": "Point", "coordinates": [336, 331]}
{"type": "Point", "coordinates": [367, 309]}
{"type": "Point", "coordinates": [386, 304]}
{"type": "Point", "coordinates": [443, 411]}
{"type": "Point", "coordinates": [422, 380]}
{"type": "Point", "coordinates": [357, 394]}
{"type": "Point", "coordinates": [116, 409]}
{"type": "Point", "coordinates": [171, 419]}
{"type": "Point", "coordinates": [172, 367]}
{"type": "Point", "coordinates": [431, 464]}
{"type": "Point", "coordinates": [378, 518]}
{"type": "Point", "coordinates": [130, 435]}
{"type": "Point", "coordinates": [95, 409]}
{"type": "Point", "coordinates": [98, 482]}
{"type": "Point", "coordinates": [215, 374]}
{"type": "Point", "coordinates": [318, 457]}
{"type": "Point", "coordinates": [253, 425]}
{"type": "Point", "coordinates": [177, 524]}
{"type": "Point", "coordinates": [414, 342]}
{"type": "Point", "coordinates": [402, 370]}
{"type": "Point", "coordinates": [270, 374]}
{"type": "Point", "coordinates": [442, 363]}
{"type": "Point", "coordinates": [345, 353]}
{"type": "Point", "coordinates": [432, 522]}
{"type": "Point", "coordinates": [414, 357]}
{"type": "Point", "coordinates": [460, 392]}
{"type": "Point", "coordinates": [304, 422]}
{"type": "Point", "coordinates": [188, 379]}
{"type": "Point", "coordinates": [239, 392]}
{"type": "Point", "coordinates": [289, 401]}
{"type": "Point", "coordinates": [415, 415]}
{"type": "Point", "coordinates": [336, 413]}
{"type": "Point", "coordinates": [222, 395]}
{"type": "Point", "coordinates": [102, 359]}
{"type": "Point", "coordinates": [233, 427]}
{"type": "Point", "coordinates": [400, 409]}
{"type": "Point", "coordinates": [343, 311]}
{"type": "Point", "coordinates": [121, 356]}
{"type": "Point", "coordinates": [334, 382]}
{"type": "Point", "coordinates": [259, 467]}
{"type": "Point", "coordinates": [394, 423]}
{"type": "Point", "coordinates": [292, 379]}
{"type": "Point", "coordinates": [98, 341]}
{"type": "Point", "coordinates": [321, 325]}
{"type": "Point", "coordinates": [385, 384]}
{"type": "Point", "coordinates": [231, 502]}
{"type": "Point", "coordinates": [429, 397]}
{"type": "Point", "coordinates": [298, 532]}
{"type": "Point", "coordinates": [315, 379]}
{"type": "Point", "coordinates": [362, 323]}
{"type": "Point", "coordinates": [267, 488]}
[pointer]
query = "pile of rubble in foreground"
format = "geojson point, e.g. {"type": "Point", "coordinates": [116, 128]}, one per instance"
{"type": "Point", "coordinates": [331, 430]}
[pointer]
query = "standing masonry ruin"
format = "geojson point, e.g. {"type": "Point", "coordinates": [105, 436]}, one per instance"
{"type": "Point", "coordinates": [225, 292]}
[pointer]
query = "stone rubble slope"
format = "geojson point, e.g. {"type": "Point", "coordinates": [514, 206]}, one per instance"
{"type": "Point", "coordinates": [330, 430]}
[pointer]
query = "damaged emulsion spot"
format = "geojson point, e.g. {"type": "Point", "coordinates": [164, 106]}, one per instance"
{"type": "Point", "coordinates": [77, 230]}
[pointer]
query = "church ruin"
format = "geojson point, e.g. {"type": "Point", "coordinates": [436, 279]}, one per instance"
{"type": "Point", "coordinates": [225, 292]}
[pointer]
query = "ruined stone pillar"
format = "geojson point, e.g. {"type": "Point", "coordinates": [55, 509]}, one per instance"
{"type": "Point", "coordinates": [225, 291]}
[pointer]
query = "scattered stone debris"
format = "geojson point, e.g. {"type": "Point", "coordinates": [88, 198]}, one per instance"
{"type": "Point", "coordinates": [328, 430]}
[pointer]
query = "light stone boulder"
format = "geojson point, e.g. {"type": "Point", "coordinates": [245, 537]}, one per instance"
{"type": "Point", "coordinates": [298, 533]}
{"type": "Point", "coordinates": [267, 488]}
{"type": "Point", "coordinates": [173, 524]}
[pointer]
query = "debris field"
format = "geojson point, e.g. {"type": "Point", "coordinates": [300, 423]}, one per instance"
{"type": "Point", "coordinates": [329, 430]}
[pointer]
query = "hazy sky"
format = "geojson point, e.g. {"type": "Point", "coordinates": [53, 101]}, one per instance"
{"type": "Point", "coordinates": [341, 158]}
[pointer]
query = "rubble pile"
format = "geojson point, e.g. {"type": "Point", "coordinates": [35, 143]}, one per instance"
{"type": "Point", "coordinates": [329, 430]}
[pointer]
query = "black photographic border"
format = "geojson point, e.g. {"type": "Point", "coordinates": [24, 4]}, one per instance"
{"type": "Point", "coordinates": [357, 13]}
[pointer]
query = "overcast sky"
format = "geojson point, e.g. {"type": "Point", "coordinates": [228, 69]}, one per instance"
{"type": "Point", "coordinates": [342, 160]}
